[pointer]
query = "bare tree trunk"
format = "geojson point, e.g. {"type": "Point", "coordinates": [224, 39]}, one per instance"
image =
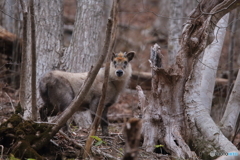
{"type": "Point", "coordinates": [231, 52]}
{"type": "Point", "coordinates": [78, 100]}
{"type": "Point", "coordinates": [25, 85]}
{"type": "Point", "coordinates": [23, 78]}
{"type": "Point", "coordinates": [175, 27]}
{"type": "Point", "coordinates": [229, 120]}
{"type": "Point", "coordinates": [198, 98]}
{"type": "Point", "coordinates": [110, 35]}
{"type": "Point", "coordinates": [85, 45]}
{"type": "Point", "coordinates": [163, 117]}
{"type": "Point", "coordinates": [9, 16]}
{"type": "Point", "coordinates": [88, 29]}
{"type": "Point", "coordinates": [48, 22]}
{"type": "Point", "coordinates": [34, 62]}
{"type": "Point", "coordinates": [209, 64]}
{"type": "Point", "coordinates": [170, 110]}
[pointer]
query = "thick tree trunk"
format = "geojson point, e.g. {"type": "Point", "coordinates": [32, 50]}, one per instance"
{"type": "Point", "coordinates": [48, 46]}
{"type": "Point", "coordinates": [175, 28]}
{"type": "Point", "coordinates": [197, 99]}
{"type": "Point", "coordinates": [87, 38]}
{"type": "Point", "coordinates": [9, 16]}
{"type": "Point", "coordinates": [163, 119]}
{"type": "Point", "coordinates": [86, 44]}
{"type": "Point", "coordinates": [170, 118]}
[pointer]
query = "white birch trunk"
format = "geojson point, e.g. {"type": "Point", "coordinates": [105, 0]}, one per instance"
{"type": "Point", "coordinates": [228, 122]}
{"type": "Point", "coordinates": [210, 64]}
{"type": "Point", "coordinates": [202, 126]}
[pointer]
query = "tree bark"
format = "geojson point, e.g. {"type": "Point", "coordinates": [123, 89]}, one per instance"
{"type": "Point", "coordinates": [229, 120]}
{"type": "Point", "coordinates": [231, 52]}
{"type": "Point", "coordinates": [163, 117]}
{"type": "Point", "coordinates": [197, 99]}
{"type": "Point", "coordinates": [48, 29]}
{"type": "Point", "coordinates": [83, 48]}
{"type": "Point", "coordinates": [86, 43]}
{"type": "Point", "coordinates": [79, 98]}
{"type": "Point", "coordinates": [34, 62]}
{"type": "Point", "coordinates": [24, 56]}
{"type": "Point", "coordinates": [25, 83]}
{"type": "Point", "coordinates": [110, 38]}
{"type": "Point", "coordinates": [175, 27]}
{"type": "Point", "coordinates": [170, 110]}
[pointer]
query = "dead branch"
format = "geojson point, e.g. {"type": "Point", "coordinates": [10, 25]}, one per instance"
{"type": "Point", "coordinates": [142, 100]}
{"type": "Point", "coordinates": [98, 151]}
{"type": "Point", "coordinates": [77, 145]}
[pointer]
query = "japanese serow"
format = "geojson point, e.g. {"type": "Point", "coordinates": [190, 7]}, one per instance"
{"type": "Point", "coordinates": [59, 88]}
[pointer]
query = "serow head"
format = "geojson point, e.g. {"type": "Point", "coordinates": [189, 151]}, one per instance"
{"type": "Point", "coordinates": [120, 63]}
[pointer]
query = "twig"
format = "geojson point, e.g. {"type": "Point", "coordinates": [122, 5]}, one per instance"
{"type": "Point", "coordinates": [71, 140]}
{"type": "Point", "coordinates": [142, 100]}
{"type": "Point", "coordinates": [97, 150]}
{"type": "Point", "coordinates": [44, 122]}
{"type": "Point", "coordinates": [53, 142]}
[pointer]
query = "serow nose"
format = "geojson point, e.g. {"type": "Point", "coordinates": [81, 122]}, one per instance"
{"type": "Point", "coordinates": [119, 73]}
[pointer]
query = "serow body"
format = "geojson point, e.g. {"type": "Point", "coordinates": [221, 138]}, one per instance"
{"type": "Point", "coordinates": [59, 88]}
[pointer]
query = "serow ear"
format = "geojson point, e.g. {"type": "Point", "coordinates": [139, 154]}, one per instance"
{"type": "Point", "coordinates": [130, 55]}
{"type": "Point", "coordinates": [113, 56]}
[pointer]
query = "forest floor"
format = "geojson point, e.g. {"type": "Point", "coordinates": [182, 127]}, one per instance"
{"type": "Point", "coordinates": [63, 146]}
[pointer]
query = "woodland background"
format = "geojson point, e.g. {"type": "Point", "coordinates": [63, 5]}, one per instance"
{"type": "Point", "coordinates": [140, 25]}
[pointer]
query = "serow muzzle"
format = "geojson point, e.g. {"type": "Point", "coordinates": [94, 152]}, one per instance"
{"type": "Point", "coordinates": [119, 73]}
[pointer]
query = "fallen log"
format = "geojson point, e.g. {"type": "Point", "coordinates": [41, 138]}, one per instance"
{"type": "Point", "coordinates": [144, 79]}
{"type": "Point", "coordinates": [9, 42]}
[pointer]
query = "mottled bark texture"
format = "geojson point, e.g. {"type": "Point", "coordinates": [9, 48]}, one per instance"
{"type": "Point", "coordinates": [86, 44]}
{"type": "Point", "coordinates": [48, 22]}
{"type": "Point", "coordinates": [169, 118]}
{"type": "Point", "coordinates": [87, 38]}
{"type": "Point", "coordinates": [175, 28]}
